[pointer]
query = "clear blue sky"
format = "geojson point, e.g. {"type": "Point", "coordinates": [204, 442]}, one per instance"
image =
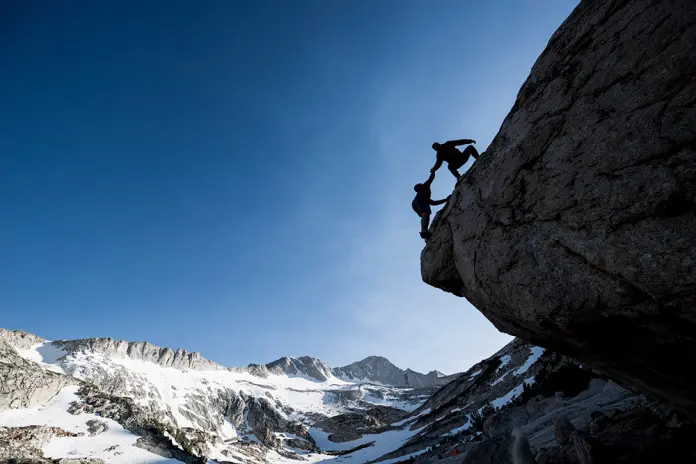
{"type": "Point", "coordinates": [235, 177]}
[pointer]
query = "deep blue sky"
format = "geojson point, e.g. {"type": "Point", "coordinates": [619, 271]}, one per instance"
{"type": "Point", "coordinates": [235, 178]}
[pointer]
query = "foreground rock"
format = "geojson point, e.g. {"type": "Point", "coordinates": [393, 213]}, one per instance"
{"type": "Point", "coordinates": [575, 230]}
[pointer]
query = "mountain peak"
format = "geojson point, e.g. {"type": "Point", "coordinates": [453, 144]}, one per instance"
{"type": "Point", "coordinates": [304, 366]}
{"type": "Point", "coordinates": [379, 369]}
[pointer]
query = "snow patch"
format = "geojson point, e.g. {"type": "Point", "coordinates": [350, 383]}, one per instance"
{"type": "Point", "coordinates": [475, 373]}
{"type": "Point", "coordinates": [500, 379]}
{"type": "Point", "coordinates": [504, 361]}
{"type": "Point", "coordinates": [512, 394]}
{"type": "Point", "coordinates": [46, 354]}
{"type": "Point", "coordinates": [382, 444]}
{"type": "Point", "coordinates": [464, 427]}
{"type": "Point", "coordinates": [536, 352]}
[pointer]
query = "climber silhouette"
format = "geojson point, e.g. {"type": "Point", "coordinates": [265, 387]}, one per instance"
{"type": "Point", "coordinates": [455, 159]}
{"type": "Point", "coordinates": [422, 202]}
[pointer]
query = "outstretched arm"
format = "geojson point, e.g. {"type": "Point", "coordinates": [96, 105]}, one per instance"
{"type": "Point", "coordinates": [437, 165]}
{"type": "Point", "coordinates": [431, 178]}
{"type": "Point", "coordinates": [439, 202]}
{"type": "Point", "coordinates": [456, 143]}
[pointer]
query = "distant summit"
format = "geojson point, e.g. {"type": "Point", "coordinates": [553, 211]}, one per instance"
{"type": "Point", "coordinates": [380, 370]}
{"type": "Point", "coordinates": [304, 366]}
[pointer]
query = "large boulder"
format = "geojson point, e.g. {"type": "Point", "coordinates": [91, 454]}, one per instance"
{"type": "Point", "coordinates": [576, 229]}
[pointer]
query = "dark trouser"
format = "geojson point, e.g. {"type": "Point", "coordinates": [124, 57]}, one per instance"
{"type": "Point", "coordinates": [460, 160]}
{"type": "Point", "coordinates": [424, 212]}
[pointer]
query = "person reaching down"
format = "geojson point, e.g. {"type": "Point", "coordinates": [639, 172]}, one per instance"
{"type": "Point", "coordinates": [455, 159]}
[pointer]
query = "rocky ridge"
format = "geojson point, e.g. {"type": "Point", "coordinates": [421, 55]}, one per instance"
{"type": "Point", "coordinates": [173, 403]}
{"type": "Point", "coordinates": [142, 351]}
{"type": "Point", "coordinates": [371, 369]}
{"type": "Point", "coordinates": [575, 229]}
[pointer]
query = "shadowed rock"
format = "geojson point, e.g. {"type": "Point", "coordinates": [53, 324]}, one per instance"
{"type": "Point", "coordinates": [575, 230]}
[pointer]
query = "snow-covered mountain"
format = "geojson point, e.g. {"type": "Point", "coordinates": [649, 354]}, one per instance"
{"type": "Point", "coordinates": [101, 400]}
{"type": "Point", "coordinates": [251, 413]}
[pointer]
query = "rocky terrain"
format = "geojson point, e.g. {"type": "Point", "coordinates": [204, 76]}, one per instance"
{"type": "Point", "coordinates": [575, 229]}
{"type": "Point", "coordinates": [182, 406]}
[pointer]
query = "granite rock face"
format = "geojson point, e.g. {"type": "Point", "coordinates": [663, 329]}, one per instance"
{"type": "Point", "coordinates": [575, 230]}
{"type": "Point", "coordinates": [23, 385]}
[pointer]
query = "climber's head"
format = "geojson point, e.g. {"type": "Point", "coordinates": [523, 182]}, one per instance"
{"type": "Point", "coordinates": [418, 187]}
{"type": "Point", "coordinates": [436, 146]}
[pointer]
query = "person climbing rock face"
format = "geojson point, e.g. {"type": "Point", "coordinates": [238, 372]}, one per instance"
{"type": "Point", "coordinates": [455, 159]}
{"type": "Point", "coordinates": [422, 202]}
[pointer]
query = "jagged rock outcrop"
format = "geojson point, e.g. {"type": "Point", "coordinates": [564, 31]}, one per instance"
{"type": "Point", "coordinates": [381, 370]}
{"type": "Point", "coordinates": [143, 351]}
{"type": "Point", "coordinates": [575, 229]}
{"type": "Point", "coordinates": [23, 384]}
{"type": "Point", "coordinates": [19, 339]}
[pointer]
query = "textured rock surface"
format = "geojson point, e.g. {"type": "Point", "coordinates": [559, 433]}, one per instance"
{"type": "Point", "coordinates": [23, 384]}
{"type": "Point", "coordinates": [575, 230]}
